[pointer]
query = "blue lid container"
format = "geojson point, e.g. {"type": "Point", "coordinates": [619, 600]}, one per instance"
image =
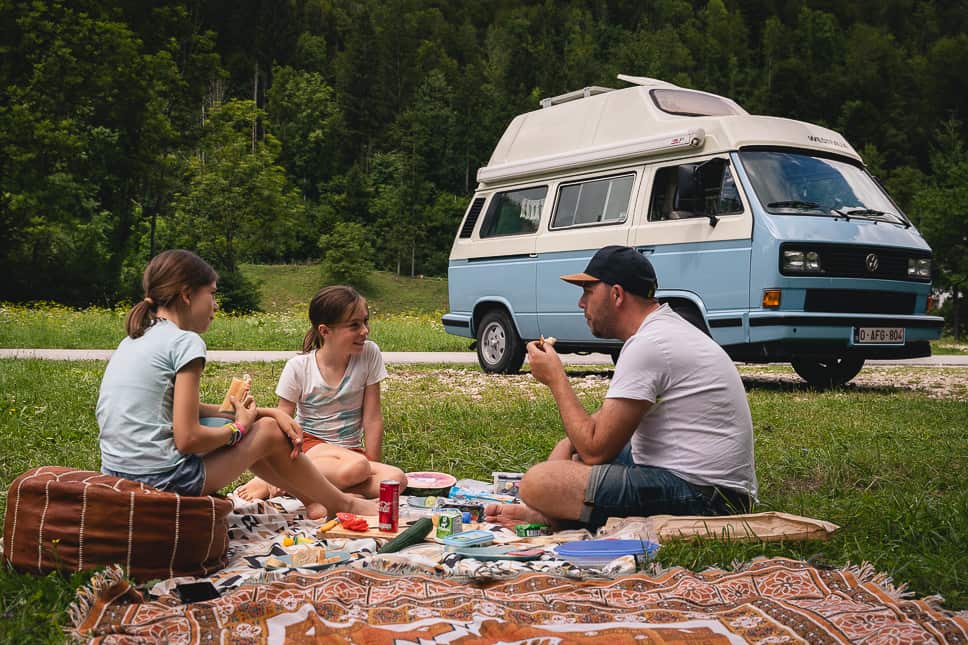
{"type": "Point", "coordinates": [477, 537]}
{"type": "Point", "coordinates": [598, 553]}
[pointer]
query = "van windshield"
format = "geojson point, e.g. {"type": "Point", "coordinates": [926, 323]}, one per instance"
{"type": "Point", "coordinates": [792, 183]}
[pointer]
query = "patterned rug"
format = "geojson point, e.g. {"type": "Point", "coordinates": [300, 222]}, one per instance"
{"type": "Point", "coordinates": [768, 601]}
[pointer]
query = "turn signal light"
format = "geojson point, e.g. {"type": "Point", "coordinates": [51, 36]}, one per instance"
{"type": "Point", "coordinates": [771, 298]}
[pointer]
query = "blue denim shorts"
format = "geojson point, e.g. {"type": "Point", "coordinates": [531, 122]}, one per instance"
{"type": "Point", "coordinates": [187, 478]}
{"type": "Point", "coordinates": [623, 488]}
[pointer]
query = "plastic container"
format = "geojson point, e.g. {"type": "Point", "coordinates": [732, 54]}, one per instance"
{"type": "Point", "coordinates": [214, 422]}
{"type": "Point", "coordinates": [598, 553]}
{"type": "Point", "coordinates": [507, 483]}
{"type": "Point", "coordinates": [463, 539]}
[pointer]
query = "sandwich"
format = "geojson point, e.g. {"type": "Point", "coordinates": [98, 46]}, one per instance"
{"type": "Point", "coordinates": [550, 340]}
{"type": "Point", "coordinates": [308, 556]}
{"type": "Point", "coordinates": [237, 389]}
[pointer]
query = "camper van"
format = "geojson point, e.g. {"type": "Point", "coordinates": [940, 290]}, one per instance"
{"type": "Point", "coordinates": [766, 233]}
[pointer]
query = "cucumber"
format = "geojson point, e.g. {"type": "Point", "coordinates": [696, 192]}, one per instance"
{"type": "Point", "coordinates": [413, 535]}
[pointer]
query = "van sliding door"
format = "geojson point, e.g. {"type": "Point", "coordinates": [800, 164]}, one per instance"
{"type": "Point", "coordinates": [588, 213]}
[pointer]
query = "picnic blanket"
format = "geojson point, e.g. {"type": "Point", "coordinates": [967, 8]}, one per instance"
{"type": "Point", "coordinates": [767, 601]}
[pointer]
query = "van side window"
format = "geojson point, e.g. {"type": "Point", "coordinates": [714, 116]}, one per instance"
{"type": "Point", "coordinates": [592, 202]}
{"type": "Point", "coordinates": [515, 212]}
{"type": "Point", "coordinates": [694, 190]}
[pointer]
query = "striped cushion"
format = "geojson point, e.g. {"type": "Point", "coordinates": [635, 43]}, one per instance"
{"type": "Point", "coordinates": [66, 519]}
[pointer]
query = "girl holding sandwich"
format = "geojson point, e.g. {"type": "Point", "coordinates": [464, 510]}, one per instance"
{"type": "Point", "coordinates": [332, 389]}
{"type": "Point", "coordinates": [148, 407]}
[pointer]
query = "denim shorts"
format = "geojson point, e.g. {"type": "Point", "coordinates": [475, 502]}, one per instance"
{"type": "Point", "coordinates": [623, 488]}
{"type": "Point", "coordinates": [187, 478]}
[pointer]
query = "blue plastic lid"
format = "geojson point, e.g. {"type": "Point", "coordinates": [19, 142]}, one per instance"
{"type": "Point", "coordinates": [606, 548]}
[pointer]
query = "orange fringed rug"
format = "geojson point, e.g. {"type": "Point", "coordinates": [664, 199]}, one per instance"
{"type": "Point", "coordinates": [769, 601]}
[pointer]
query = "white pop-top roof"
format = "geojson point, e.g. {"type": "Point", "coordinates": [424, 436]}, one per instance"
{"type": "Point", "coordinates": [587, 128]}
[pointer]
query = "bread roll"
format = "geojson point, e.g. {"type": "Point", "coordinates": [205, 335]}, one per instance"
{"type": "Point", "coordinates": [236, 389]}
{"type": "Point", "coordinates": [305, 556]}
{"type": "Point", "coordinates": [551, 340]}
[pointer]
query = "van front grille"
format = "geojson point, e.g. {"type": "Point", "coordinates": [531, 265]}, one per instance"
{"type": "Point", "coordinates": [851, 301]}
{"type": "Point", "coordinates": [851, 261]}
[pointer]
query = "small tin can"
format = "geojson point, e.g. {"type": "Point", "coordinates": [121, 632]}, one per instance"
{"type": "Point", "coordinates": [448, 523]}
{"type": "Point", "coordinates": [531, 530]}
{"type": "Point", "coordinates": [389, 505]}
{"type": "Point", "coordinates": [466, 507]}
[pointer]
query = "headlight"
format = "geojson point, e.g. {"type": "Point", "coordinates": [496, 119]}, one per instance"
{"type": "Point", "coordinates": [919, 267]}
{"type": "Point", "coordinates": [801, 261]}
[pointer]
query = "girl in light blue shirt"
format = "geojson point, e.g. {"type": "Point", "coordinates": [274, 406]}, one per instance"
{"type": "Point", "coordinates": [149, 411]}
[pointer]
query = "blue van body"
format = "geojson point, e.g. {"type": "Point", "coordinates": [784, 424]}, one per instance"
{"type": "Point", "coordinates": [852, 281]}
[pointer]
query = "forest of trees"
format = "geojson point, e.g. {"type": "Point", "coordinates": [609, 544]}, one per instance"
{"type": "Point", "coordinates": [273, 130]}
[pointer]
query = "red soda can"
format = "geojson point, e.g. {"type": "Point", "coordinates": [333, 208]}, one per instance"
{"type": "Point", "coordinates": [389, 505]}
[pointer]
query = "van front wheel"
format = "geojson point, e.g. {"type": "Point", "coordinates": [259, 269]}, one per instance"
{"type": "Point", "coordinates": [826, 372]}
{"type": "Point", "coordinates": [499, 348]}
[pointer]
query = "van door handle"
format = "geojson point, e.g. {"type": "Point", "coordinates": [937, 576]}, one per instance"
{"type": "Point", "coordinates": [532, 255]}
{"type": "Point", "coordinates": [645, 251]}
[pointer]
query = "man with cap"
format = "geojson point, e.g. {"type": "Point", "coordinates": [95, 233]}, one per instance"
{"type": "Point", "coordinates": [674, 434]}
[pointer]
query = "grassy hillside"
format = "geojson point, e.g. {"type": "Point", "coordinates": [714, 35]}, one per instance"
{"type": "Point", "coordinates": [284, 287]}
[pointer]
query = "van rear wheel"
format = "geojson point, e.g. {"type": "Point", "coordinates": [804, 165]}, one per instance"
{"type": "Point", "coordinates": [499, 348]}
{"type": "Point", "coordinates": [827, 372]}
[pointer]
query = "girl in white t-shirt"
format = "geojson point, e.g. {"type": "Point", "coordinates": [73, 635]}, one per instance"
{"type": "Point", "coordinates": [333, 390]}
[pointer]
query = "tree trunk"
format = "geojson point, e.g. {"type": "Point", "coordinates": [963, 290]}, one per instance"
{"type": "Point", "coordinates": [255, 99]}
{"type": "Point", "coordinates": [956, 319]}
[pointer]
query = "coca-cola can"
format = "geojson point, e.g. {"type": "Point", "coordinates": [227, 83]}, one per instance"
{"type": "Point", "coordinates": [389, 505]}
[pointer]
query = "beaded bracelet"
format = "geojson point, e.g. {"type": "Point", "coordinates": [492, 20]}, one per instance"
{"type": "Point", "coordinates": [238, 433]}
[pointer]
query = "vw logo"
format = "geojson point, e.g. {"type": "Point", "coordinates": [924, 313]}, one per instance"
{"type": "Point", "coordinates": [872, 262]}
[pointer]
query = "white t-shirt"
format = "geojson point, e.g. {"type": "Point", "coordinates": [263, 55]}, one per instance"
{"type": "Point", "coordinates": [334, 415]}
{"type": "Point", "coordinates": [134, 406]}
{"type": "Point", "coordinates": [699, 426]}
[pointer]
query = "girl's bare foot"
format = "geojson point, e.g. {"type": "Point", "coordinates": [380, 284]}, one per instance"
{"type": "Point", "coordinates": [510, 515]}
{"type": "Point", "coordinates": [362, 506]}
{"type": "Point", "coordinates": [316, 511]}
{"type": "Point", "coordinates": [256, 488]}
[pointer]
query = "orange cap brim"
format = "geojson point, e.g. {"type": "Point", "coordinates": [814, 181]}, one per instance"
{"type": "Point", "coordinates": [580, 278]}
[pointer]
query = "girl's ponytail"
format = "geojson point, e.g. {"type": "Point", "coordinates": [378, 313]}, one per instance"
{"type": "Point", "coordinates": [140, 318]}
{"type": "Point", "coordinates": [165, 277]}
{"type": "Point", "coordinates": [312, 340]}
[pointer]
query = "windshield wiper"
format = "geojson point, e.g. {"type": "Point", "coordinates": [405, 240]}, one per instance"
{"type": "Point", "coordinates": [870, 212]}
{"type": "Point", "coordinates": [794, 204]}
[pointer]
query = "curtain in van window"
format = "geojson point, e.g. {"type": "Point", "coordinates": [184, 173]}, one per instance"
{"type": "Point", "coordinates": [514, 212]}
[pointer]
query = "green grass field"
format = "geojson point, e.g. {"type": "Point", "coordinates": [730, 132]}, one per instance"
{"type": "Point", "coordinates": [404, 314]}
{"type": "Point", "coordinates": [884, 458]}
{"type": "Point", "coordinates": [885, 462]}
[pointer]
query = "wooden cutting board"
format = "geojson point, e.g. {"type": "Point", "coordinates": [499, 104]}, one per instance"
{"type": "Point", "coordinates": [374, 532]}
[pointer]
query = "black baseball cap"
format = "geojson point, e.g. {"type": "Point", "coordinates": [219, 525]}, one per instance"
{"type": "Point", "coordinates": [620, 265]}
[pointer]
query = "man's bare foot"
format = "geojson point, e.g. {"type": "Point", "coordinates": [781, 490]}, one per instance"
{"type": "Point", "coordinates": [256, 488]}
{"type": "Point", "coordinates": [510, 515]}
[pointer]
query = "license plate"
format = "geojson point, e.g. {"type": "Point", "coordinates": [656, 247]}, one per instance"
{"type": "Point", "coordinates": [879, 335]}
